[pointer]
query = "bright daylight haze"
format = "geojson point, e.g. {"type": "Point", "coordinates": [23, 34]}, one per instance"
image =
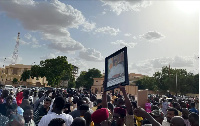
{"type": "Point", "coordinates": [156, 33]}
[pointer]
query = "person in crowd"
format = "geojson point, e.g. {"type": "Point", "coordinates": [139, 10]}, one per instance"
{"type": "Point", "coordinates": [177, 121]}
{"type": "Point", "coordinates": [58, 106]}
{"type": "Point", "coordinates": [76, 113]}
{"type": "Point", "coordinates": [176, 105]}
{"type": "Point", "coordinates": [57, 122]}
{"type": "Point", "coordinates": [171, 112]}
{"type": "Point", "coordinates": [11, 110]}
{"type": "Point", "coordinates": [148, 106]}
{"type": "Point", "coordinates": [185, 116]}
{"type": "Point", "coordinates": [3, 97]}
{"type": "Point", "coordinates": [88, 119]}
{"type": "Point", "coordinates": [98, 106]}
{"type": "Point", "coordinates": [158, 115]}
{"type": "Point", "coordinates": [164, 106]}
{"type": "Point", "coordinates": [194, 119]}
{"type": "Point", "coordinates": [4, 106]}
{"type": "Point", "coordinates": [67, 109]}
{"type": "Point", "coordinates": [111, 108]}
{"type": "Point", "coordinates": [193, 109]}
{"type": "Point", "coordinates": [79, 121]}
{"type": "Point", "coordinates": [28, 116]}
{"type": "Point", "coordinates": [40, 99]}
{"type": "Point", "coordinates": [43, 110]}
{"type": "Point", "coordinates": [16, 120]}
{"type": "Point", "coordinates": [83, 109]}
{"type": "Point", "coordinates": [142, 113]}
{"type": "Point", "coordinates": [3, 120]}
{"type": "Point", "coordinates": [99, 115]}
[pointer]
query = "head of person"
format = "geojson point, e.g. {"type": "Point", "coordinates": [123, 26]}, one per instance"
{"type": "Point", "coordinates": [171, 112]}
{"type": "Point", "coordinates": [25, 102]}
{"type": "Point", "coordinates": [176, 105]}
{"type": "Point", "coordinates": [183, 104]}
{"type": "Point", "coordinates": [47, 102]}
{"type": "Point", "coordinates": [177, 121]}
{"type": "Point", "coordinates": [87, 117]}
{"type": "Point", "coordinates": [80, 102]}
{"type": "Point", "coordinates": [99, 102]}
{"type": "Point", "coordinates": [57, 122]}
{"type": "Point", "coordinates": [26, 93]}
{"type": "Point", "coordinates": [120, 102]}
{"type": "Point", "coordinates": [194, 119]}
{"type": "Point", "coordinates": [83, 109]}
{"type": "Point", "coordinates": [185, 113]}
{"type": "Point", "coordinates": [40, 94]}
{"type": "Point", "coordinates": [99, 115]}
{"type": "Point", "coordinates": [119, 115]}
{"type": "Point", "coordinates": [154, 107]}
{"type": "Point", "coordinates": [9, 100]}
{"type": "Point", "coordinates": [192, 105]}
{"type": "Point", "coordinates": [79, 121]}
{"type": "Point", "coordinates": [58, 104]}
{"type": "Point", "coordinates": [134, 104]}
{"type": "Point", "coordinates": [76, 99]}
{"type": "Point", "coordinates": [93, 98]}
{"type": "Point", "coordinates": [28, 113]}
{"type": "Point", "coordinates": [5, 93]}
{"type": "Point", "coordinates": [157, 115]}
{"type": "Point", "coordinates": [11, 110]}
{"type": "Point", "coordinates": [87, 100]}
{"type": "Point", "coordinates": [16, 120]}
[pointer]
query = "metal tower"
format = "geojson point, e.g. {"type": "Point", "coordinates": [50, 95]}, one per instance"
{"type": "Point", "coordinates": [15, 53]}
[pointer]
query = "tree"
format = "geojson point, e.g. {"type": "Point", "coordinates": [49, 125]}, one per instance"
{"type": "Point", "coordinates": [166, 79]}
{"type": "Point", "coordinates": [92, 73]}
{"type": "Point", "coordinates": [54, 70]}
{"type": "Point", "coordinates": [86, 78]}
{"type": "Point", "coordinates": [15, 80]}
{"type": "Point", "coordinates": [80, 81]}
{"type": "Point", "coordinates": [25, 75]}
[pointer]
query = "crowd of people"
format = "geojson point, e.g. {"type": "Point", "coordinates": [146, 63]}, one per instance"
{"type": "Point", "coordinates": [57, 107]}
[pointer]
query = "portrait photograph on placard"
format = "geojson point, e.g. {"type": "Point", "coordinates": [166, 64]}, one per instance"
{"type": "Point", "coordinates": [116, 69]}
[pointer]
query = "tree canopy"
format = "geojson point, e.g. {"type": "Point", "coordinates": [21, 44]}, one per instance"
{"type": "Point", "coordinates": [86, 78]}
{"type": "Point", "coordinates": [166, 80]}
{"type": "Point", "coordinates": [55, 70]}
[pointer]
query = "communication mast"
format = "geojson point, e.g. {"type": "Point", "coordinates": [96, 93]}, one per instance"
{"type": "Point", "coordinates": [15, 53]}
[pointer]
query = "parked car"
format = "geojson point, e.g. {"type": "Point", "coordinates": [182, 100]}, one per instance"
{"type": "Point", "coordinates": [8, 87]}
{"type": "Point", "coordinates": [21, 87]}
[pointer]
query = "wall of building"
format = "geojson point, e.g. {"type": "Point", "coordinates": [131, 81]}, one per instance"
{"type": "Point", "coordinates": [142, 98]}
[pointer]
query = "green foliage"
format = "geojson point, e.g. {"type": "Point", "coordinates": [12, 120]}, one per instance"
{"type": "Point", "coordinates": [80, 81]}
{"type": "Point", "coordinates": [166, 80]}
{"type": "Point", "coordinates": [15, 80]}
{"type": "Point", "coordinates": [54, 70]}
{"type": "Point", "coordinates": [86, 78]}
{"type": "Point", "coordinates": [25, 75]}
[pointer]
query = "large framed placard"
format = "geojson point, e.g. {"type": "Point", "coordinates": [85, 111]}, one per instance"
{"type": "Point", "coordinates": [116, 69]}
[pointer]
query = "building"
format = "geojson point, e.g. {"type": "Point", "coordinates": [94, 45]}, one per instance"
{"type": "Point", "coordinates": [131, 88]}
{"type": "Point", "coordinates": [133, 77]}
{"type": "Point", "coordinates": [10, 72]}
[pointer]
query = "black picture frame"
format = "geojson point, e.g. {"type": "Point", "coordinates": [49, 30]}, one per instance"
{"type": "Point", "coordinates": [112, 81]}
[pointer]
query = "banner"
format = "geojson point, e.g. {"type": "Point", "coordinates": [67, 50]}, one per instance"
{"type": "Point", "coordinates": [116, 69]}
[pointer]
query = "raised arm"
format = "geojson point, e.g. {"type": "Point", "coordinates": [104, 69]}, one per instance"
{"type": "Point", "coordinates": [127, 101]}
{"type": "Point", "coordinates": [104, 99]}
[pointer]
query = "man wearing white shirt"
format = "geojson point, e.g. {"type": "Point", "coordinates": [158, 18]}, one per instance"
{"type": "Point", "coordinates": [171, 112]}
{"type": "Point", "coordinates": [58, 106]}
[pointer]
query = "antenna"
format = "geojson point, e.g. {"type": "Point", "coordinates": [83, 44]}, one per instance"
{"type": "Point", "coordinates": [15, 52]}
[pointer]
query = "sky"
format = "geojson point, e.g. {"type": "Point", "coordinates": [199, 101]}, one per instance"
{"type": "Point", "coordinates": [156, 33]}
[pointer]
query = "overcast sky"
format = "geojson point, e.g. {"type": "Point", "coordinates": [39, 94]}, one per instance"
{"type": "Point", "coordinates": [157, 33]}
